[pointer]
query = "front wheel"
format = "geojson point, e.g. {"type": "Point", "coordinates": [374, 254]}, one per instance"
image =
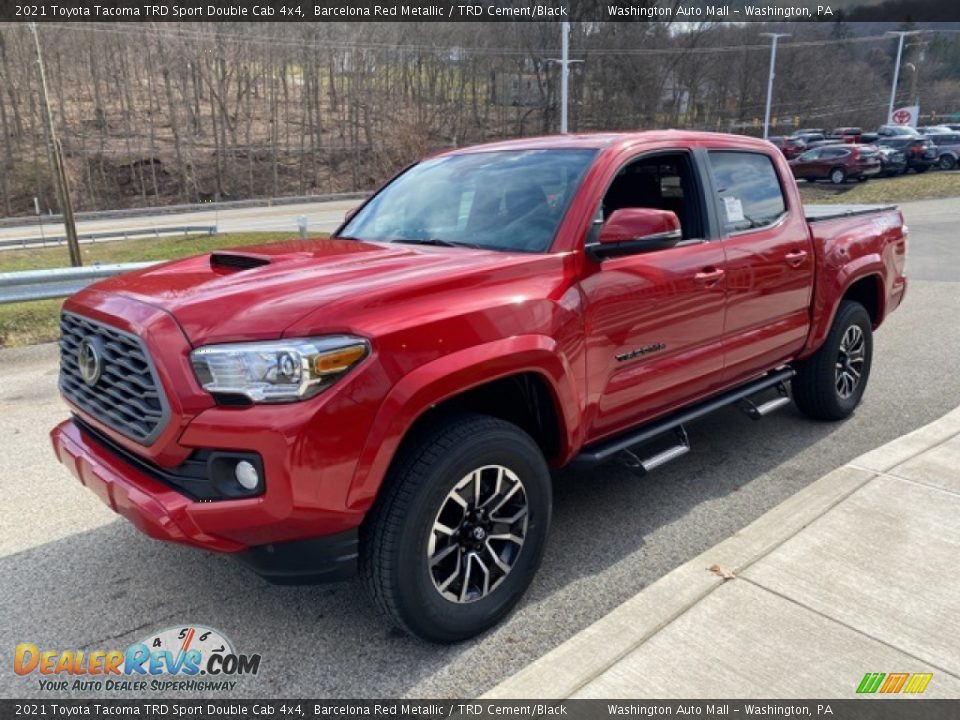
{"type": "Point", "coordinates": [460, 528]}
{"type": "Point", "coordinates": [947, 162]}
{"type": "Point", "coordinates": [829, 384]}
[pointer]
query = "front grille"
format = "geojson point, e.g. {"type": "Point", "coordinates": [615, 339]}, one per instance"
{"type": "Point", "coordinates": [125, 394]}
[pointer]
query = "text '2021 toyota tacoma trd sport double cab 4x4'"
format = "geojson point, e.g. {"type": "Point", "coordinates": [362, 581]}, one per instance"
{"type": "Point", "coordinates": [394, 398]}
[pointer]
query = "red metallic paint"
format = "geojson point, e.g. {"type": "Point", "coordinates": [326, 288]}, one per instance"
{"type": "Point", "coordinates": [444, 320]}
{"type": "Point", "coordinates": [632, 223]}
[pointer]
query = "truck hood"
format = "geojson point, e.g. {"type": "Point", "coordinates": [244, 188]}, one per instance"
{"type": "Point", "coordinates": [256, 293]}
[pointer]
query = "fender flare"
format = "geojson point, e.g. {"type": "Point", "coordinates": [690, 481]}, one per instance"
{"type": "Point", "coordinates": [828, 302]}
{"type": "Point", "coordinates": [449, 376]}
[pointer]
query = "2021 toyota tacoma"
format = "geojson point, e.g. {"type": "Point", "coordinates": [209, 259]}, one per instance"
{"type": "Point", "coordinates": [394, 398]}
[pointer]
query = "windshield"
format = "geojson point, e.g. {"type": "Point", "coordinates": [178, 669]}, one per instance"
{"type": "Point", "coordinates": [501, 200]}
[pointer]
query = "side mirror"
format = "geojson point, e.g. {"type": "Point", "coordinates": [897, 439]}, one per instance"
{"type": "Point", "coordinates": [636, 230]}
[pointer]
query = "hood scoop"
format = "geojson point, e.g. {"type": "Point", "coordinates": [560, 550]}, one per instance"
{"type": "Point", "coordinates": [237, 261]}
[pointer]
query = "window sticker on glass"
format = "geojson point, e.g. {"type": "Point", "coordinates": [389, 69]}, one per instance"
{"type": "Point", "coordinates": [734, 209]}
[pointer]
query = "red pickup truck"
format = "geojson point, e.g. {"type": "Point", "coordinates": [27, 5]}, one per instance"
{"type": "Point", "coordinates": [393, 399]}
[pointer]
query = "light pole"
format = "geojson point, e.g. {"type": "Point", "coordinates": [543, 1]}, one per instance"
{"type": "Point", "coordinates": [773, 65]}
{"type": "Point", "coordinates": [565, 63]}
{"type": "Point", "coordinates": [896, 68]}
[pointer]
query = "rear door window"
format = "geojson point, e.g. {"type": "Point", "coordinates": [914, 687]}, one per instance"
{"type": "Point", "coordinates": [748, 190]}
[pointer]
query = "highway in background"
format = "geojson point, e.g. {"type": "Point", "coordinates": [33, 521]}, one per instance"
{"type": "Point", "coordinates": [321, 217]}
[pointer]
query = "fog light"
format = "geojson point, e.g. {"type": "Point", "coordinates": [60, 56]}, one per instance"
{"type": "Point", "coordinates": [246, 475]}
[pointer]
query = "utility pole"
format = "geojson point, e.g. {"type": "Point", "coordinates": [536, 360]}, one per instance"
{"type": "Point", "coordinates": [773, 64]}
{"type": "Point", "coordinates": [56, 156]}
{"type": "Point", "coordinates": [565, 63]}
{"type": "Point", "coordinates": [896, 67]}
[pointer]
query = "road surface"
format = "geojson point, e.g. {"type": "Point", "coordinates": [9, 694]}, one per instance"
{"type": "Point", "coordinates": [75, 576]}
{"type": "Point", "coordinates": [321, 217]}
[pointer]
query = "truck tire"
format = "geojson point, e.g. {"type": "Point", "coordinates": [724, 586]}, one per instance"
{"type": "Point", "coordinates": [838, 176]}
{"type": "Point", "coordinates": [829, 384]}
{"type": "Point", "coordinates": [460, 527]}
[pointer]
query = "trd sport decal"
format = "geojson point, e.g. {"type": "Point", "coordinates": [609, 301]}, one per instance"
{"type": "Point", "coordinates": [645, 350]}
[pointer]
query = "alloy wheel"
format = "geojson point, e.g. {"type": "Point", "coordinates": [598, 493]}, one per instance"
{"type": "Point", "coordinates": [850, 361]}
{"type": "Point", "coordinates": [478, 533]}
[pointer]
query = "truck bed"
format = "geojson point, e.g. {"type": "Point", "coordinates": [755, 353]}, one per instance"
{"type": "Point", "coordinates": [819, 213]}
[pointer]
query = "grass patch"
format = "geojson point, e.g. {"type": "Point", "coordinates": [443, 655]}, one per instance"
{"type": "Point", "coordinates": [121, 251]}
{"type": "Point", "coordinates": [930, 185]}
{"type": "Point", "coordinates": [29, 323]}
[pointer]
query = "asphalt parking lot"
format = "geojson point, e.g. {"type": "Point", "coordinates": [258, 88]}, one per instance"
{"type": "Point", "coordinates": [72, 575]}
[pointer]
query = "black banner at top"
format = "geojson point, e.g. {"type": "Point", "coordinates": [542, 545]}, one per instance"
{"type": "Point", "coordinates": [897, 11]}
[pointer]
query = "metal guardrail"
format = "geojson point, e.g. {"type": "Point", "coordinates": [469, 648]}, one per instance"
{"type": "Point", "coordinates": [84, 215]}
{"type": "Point", "coordinates": [57, 282]}
{"type": "Point", "coordinates": [112, 235]}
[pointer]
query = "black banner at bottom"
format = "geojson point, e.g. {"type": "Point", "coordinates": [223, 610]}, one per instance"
{"type": "Point", "coordinates": [872, 708]}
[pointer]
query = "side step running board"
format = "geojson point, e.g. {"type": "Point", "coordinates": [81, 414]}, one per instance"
{"type": "Point", "coordinates": [609, 449]}
{"type": "Point", "coordinates": [759, 411]}
{"type": "Point", "coordinates": [630, 460]}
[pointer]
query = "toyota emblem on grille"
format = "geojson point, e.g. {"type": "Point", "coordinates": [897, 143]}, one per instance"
{"type": "Point", "coordinates": [89, 360]}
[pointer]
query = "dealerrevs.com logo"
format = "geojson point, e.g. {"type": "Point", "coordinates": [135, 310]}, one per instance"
{"type": "Point", "coordinates": [188, 658]}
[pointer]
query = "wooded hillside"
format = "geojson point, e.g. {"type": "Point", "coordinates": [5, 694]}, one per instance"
{"type": "Point", "coordinates": [167, 113]}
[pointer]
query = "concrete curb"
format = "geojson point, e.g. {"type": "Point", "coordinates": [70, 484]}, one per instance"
{"type": "Point", "coordinates": [567, 668]}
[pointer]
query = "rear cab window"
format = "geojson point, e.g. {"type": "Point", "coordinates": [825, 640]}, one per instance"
{"type": "Point", "coordinates": [749, 194]}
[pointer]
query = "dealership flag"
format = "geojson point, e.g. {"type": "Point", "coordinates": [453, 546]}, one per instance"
{"type": "Point", "coordinates": [905, 116]}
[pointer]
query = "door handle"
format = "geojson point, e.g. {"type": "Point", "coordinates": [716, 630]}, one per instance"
{"type": "Point", "coordinates": [796, 258]}
{"type": "Point", "coordinates": [709, 276]}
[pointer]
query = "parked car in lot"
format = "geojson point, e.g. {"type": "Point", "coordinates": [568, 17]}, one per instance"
{"type": "Point", "coordinates": [808, 131]}
{"type": "Point", "coordinates": [809, 137]}
{"type": "Point", "coordinates": [892, 161]}
{"type": "Point", "coordinates": [849, 135]}
{"type": "Point", "coordinates": [837, 163]}
{"type": "Point", "coordinates": [929, 130]}
{"type": "Point", "coordinates": [791, 147]}
{"type": "Point", "coordinates": [920, 151]}
{"type": "Point", "coordinates": [948, 149]}
{"type": "Point", "coordinates": [885, 131]}
{"type": "Point", "coordinates": [392, 399]}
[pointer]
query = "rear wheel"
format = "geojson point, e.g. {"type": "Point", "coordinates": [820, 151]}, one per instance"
{"type": "Point", "coordinates": [459, 531]}
{"type": "Point", "coordinates": [829, 384]}
{"type": "Point", "coordinates": [838, 176]}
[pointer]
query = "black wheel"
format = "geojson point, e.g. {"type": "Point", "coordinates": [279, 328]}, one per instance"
{"type": "Point", "coordinates": [829, 384]}
{"type": "Point", "coordinates": [460, 528]}
{"type": "Point", "coordinates": [947, 162]}
{"type": "Point", "coordinates": [838, 176]}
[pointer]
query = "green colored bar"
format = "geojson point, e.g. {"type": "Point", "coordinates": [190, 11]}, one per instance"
{"type": "Point", "coordinates": [862, 688]}
{"type": "Point", "coordinates": [876, 685]}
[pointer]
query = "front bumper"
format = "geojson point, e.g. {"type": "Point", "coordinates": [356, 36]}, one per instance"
{"type": "Point", "coordinates": [162, 512]}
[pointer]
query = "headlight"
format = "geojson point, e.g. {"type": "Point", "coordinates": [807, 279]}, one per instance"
{"type": "Point", "coordinates": [277, 371]}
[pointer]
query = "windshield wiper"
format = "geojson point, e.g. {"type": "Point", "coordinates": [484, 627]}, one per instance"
{"type": "Point", "coordinates": [435, 241]}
